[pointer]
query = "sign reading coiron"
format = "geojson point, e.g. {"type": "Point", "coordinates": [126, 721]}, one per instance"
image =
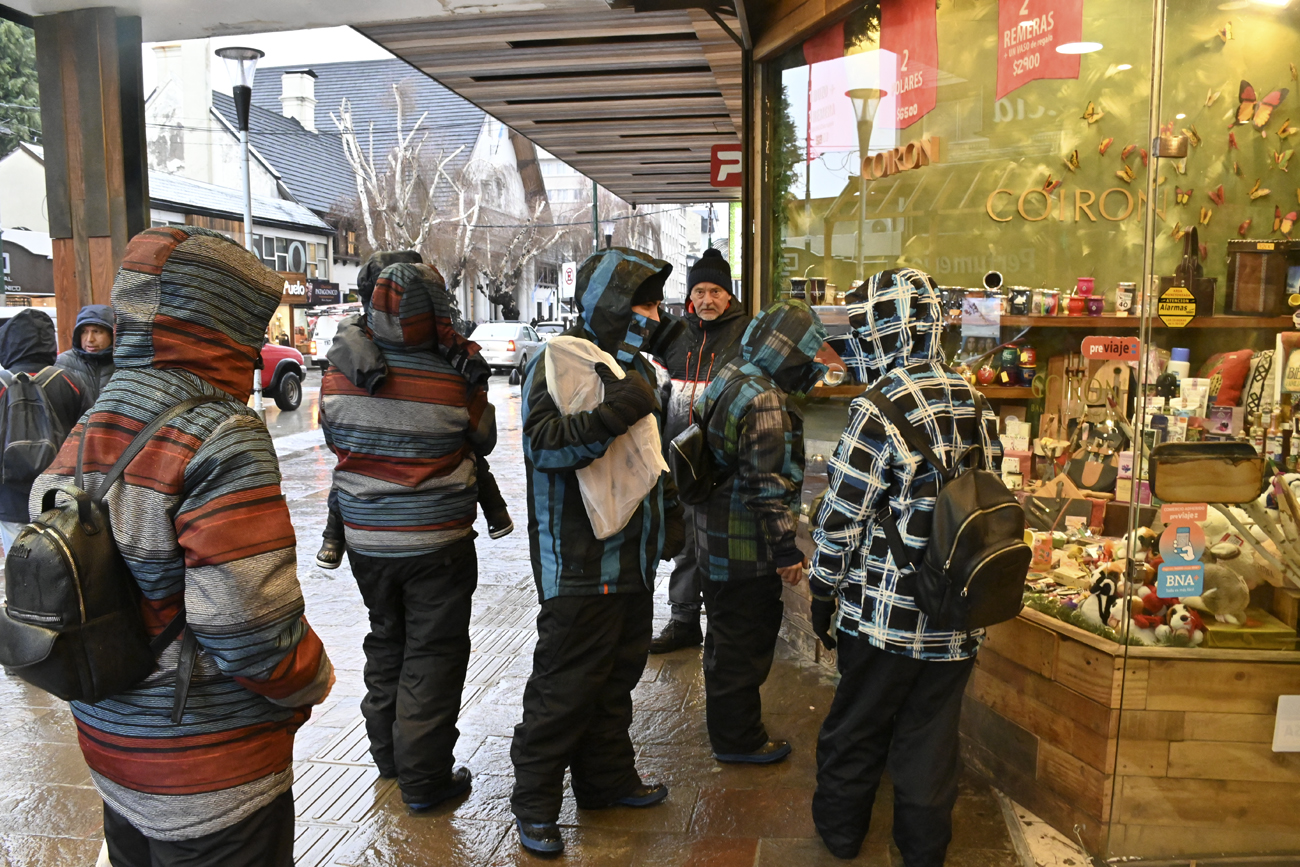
{"type": "Point", "coordinates": [912, 155]}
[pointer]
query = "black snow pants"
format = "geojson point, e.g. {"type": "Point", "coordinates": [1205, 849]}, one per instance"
{"type": "Point", "coordinates": [417, 653]}
{"type": "Point", "coordinates": [591, 651]}
{"type": "Point", "coordinates": [744, 619]}
{"type": "Point", "coordinates": [890, 710]}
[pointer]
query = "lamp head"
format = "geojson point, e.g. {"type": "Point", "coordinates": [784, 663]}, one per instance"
{"type": "Point", "coordinates": [241, 63]}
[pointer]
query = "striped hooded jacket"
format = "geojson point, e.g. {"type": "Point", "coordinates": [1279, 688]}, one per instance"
{"type": "Point", "coordinates": [895, 345]}
{"type": "Point", "coordinates": [406, 466]}
{"type": "Point", "coordinates": [568, 559]}
{"type": "Point", "coordinates": [202, 524]}
{"type": "Point", "coordinates": [753, 429]}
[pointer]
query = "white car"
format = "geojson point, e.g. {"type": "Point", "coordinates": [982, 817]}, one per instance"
{"type": "Point", "coordinates": [547, 330]}
{"type": "Point", "coordinates": [323, 338]}
{"type": "Point", "coordinates": [507, 346]}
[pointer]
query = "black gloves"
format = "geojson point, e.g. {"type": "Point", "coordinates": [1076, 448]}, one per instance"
{"type": "Point", "coordinates": [674, 536]}
{"type": "Point", "coordinates": [823, 612]}
{"type": "Point", "coordinates": [628, 399]}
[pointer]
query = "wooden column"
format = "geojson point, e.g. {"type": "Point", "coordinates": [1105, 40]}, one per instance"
{"type": "Point", "coordinates": [96, 170]}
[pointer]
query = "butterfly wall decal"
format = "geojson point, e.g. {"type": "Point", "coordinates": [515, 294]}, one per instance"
{"type": "Point", "coordinates": [1283, 159]}
{"type": "Point", "coordinates": [1264, 110]}
{"type": "Point", "coordinates": [1192, 135]}
{"type": "Point", "coordinates": [1211, 97]}
{"type": "Point", "coordinates": [1126, 174]}
{"type": "Point", "coordinates": [1243, 228]}
{"type": "Point", "coordinates": [1072, 160]}
{"type": "Point", "coordinates": [1105, 145]}
{"type": "Point", "coordinates": [1216, 195]}
{"type": "Point", "coordinates": [1127, 152]}
{"type": "Point", "coordinates": [1178, 231]}
{"type": "Point", "coordinates": [1232, 141]}
{"type": "Point", "coordinates": [1142, 152]}
{"type": "Point", "coordinates": [1049, 185]}
{"type": "Point", "coordinates": [1182, 196]}
{"type": "Point", "coordinates": [1285, 129]}
{"type": "Point", "coordinates": [1236, 168]}
{"type": "Point", "coordinates": [1256, 192]}
{"type": "Point", "coordinates": [1091, 114]}
{"type": "Point", "coordinates": [1225, 32]}
{"type": "Point", "coordinates": [1288, 223]}
{"type": "Point", "coordinates": [1206, 213]}
{"type": "Point", "coordinates": [1181, 166]}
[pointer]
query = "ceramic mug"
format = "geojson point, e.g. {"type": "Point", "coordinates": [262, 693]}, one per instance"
{"type": "Point", "coordinates": [1096, 304]}
{"type": "Point", "coordinates": [1076, 305]}
{"type": "Point", "coordinates": [1084, 286]}
{"type": "Point", "coordinates": [1020, 298]}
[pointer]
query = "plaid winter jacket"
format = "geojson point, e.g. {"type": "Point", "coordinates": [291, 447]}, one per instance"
{"type": "Point", "coordinates": [568, 559]}
{"type": "Point", "coordinates": [748, 526]}
{"type": "Point", "coordinates": [202, 524]}
{"type": "Point", "coordinates": [898, 323]}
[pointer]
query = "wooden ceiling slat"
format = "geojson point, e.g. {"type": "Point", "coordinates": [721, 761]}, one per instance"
{"type": "Point", "coordinates": [609, 139]}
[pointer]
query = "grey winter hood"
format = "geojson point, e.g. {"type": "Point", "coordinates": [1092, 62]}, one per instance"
{"type": "Point", "coordinates": [897, 320]}
{"type": "Point", "coordinates": [27, 342]}
{"type": "Point", "coordinates": [95, 314]}
{"type": "Point", "coordinates": [607, 282]}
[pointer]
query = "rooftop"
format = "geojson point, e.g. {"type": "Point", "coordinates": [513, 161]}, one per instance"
{"type": "Point", "coordinates": [189, 195]}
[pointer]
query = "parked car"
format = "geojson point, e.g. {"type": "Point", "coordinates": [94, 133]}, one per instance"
{"type": "Point", "coordinates": [547, 330]}
{"type": "Point", "coordinates": [507, 345]}
{"type": "Point", "coordinates": [322, 338]}
{"type": "Point", "coordinates": [282, 374]}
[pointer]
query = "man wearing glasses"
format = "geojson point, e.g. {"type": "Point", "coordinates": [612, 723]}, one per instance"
{"type": "Point", "coordinates": [715, 323]}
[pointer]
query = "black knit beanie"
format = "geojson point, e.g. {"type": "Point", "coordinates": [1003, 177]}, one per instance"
{"type": "Point", "coordinates": [711, 268]}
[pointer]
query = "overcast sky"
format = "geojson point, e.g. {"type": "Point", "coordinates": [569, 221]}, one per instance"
{"type": "Point", "coordinates": [289, 48]}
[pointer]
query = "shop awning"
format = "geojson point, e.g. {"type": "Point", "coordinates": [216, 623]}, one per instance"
{"type": "Point", "coordinates": [633, 100]}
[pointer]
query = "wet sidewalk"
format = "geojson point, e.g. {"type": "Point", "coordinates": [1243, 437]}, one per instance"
{"type": "Point", "coordinates": [715, 814]}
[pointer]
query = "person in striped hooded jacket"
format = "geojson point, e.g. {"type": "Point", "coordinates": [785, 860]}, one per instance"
{"type": "Point", "coordinates": [407, 487]}
{"type": "Point", "coordinates": [202, 524]}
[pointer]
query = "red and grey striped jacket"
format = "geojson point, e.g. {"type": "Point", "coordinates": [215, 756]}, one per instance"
{"type": "Point", "coordinates": [202, 524]}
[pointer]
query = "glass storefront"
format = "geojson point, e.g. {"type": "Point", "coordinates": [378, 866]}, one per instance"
{"type": "Point", "coordinates": [1113, 239]}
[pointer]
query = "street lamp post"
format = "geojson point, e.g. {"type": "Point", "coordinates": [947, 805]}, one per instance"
{"type": "Point", "coordinates": [241, 63]}
{"type": "Point", "coordinates": [866, 100]}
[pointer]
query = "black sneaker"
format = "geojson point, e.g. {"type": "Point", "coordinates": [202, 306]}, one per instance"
{"type": "Point", "coordinates": [459, 785]}
{"type": "Point", "coordinates": [677, 634]}
{"type": "Point", "coordinates": [768, 754]}
{"type": "Point", "coordinates": [330, 554]}
{"type": "Point", "coordinates": [644, 795]}
{"type": "Point", "coordinates": [540, 838]}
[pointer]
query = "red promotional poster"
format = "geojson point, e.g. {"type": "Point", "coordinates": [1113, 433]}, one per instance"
{"type": "Point", "coordinates": [909, 34]}
{"type": "Point", "coordinates": [1029, 32]}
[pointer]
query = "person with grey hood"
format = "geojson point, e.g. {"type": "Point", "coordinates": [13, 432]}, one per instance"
{"type": "Point", "coordinates": [898, 702]}
{"type": "Point", "coordinates": [91, 355]}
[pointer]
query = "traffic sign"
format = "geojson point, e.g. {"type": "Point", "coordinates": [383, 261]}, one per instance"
{"type": "Point", "coordinates": [1176, 307]}
{"type": "Point", "coordinates": [568, 279]}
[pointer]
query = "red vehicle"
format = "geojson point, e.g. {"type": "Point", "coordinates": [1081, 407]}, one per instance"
{"type": "Point", "coordinates": [282, 375]}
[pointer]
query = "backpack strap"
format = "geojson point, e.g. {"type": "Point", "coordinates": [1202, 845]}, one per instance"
{"type": "Point", "coordinates": [137, 444]}
{"type": "Point", "coordinates": [910, 434]}
{"type": "Point", "coordinates": [189, 644]}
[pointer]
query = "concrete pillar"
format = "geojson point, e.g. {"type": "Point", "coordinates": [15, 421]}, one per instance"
{"type": "Point", "coordinates": [96, 174]}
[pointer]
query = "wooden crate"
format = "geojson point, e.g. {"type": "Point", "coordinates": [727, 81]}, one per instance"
{"type": "Point", "coordinates": [1141, 752]}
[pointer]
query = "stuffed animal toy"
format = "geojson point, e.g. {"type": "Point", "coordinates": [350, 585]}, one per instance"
{"type": "Point", "coordinates": [1182, 621]}
{"type": "Point", "coordinates": [1104, 606]}
{"type": "Point", "coordinates": [1225, 595]}
{"type": "Point", "coordinates": [1152, 604]}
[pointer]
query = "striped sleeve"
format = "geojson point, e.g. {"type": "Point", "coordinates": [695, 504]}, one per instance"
{"type": "Point", "coordinates": [242, 597]}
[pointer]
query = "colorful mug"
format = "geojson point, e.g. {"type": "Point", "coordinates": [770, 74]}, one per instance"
{"type": "Point", "coordinates": [1096, 304]}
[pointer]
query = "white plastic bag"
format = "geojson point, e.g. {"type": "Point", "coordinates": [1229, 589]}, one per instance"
{"type": "Point", "coordinates": [614, 484]}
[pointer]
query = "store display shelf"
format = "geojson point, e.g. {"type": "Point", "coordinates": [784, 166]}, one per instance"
{"type": "Point", "coordinates": [1133, 322]}
{"type": "Point", "coordinates": [1005, 392]}
{"type": "Point", "coordinates": [837, 390]}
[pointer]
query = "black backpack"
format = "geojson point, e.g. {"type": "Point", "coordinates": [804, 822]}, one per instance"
{"type": "Point", "coordinates": [694, 470]}
{"type": "Point", "coordinates": [30, 434]}
{"type": "Point", "coordinates": [972, 573]}
{"type": "Point", "coordinates": [71, 623]}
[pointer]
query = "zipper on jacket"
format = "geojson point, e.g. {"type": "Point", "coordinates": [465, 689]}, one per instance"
{"type": "Point", "coordinates": [957, 536]}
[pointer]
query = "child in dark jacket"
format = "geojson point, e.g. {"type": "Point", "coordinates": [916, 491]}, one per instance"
{"type": "Point", "coordinates": [362, 362]}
